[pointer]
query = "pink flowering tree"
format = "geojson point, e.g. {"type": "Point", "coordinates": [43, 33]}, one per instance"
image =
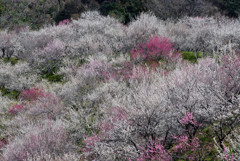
{"type": "Point", "coordinates": [190, 125]}
{"type": "Point", "coordinates": [33, 94]}
{"type": "Point", "coordinates": [156, 49]}
{"type": "Point", "coordinates": [154, 150]}
{"type": "Point", "coordinates": [16, 108]}
{"type": "Point", "coordinates": [188, 144]}
{"type": "Point", "coordinates": [37, 102]}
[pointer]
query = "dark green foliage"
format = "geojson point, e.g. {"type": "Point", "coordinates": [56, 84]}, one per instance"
{"type": "Point", "coordinates": [231, 6]}
{"type": "Point", "coordinates": [207, 139]}
{"type": "Point", "coordinates": [113, 9]}
{"type": "Point", "coordinates": [62, 16]}
{"type": "Point", "coordinates": [37, 13]}
{"type": "Point", "coordinates": [12, 94]}
{"type": "Point", "coordinates": [52, 76]}
{"type": "Point", "coordinates": [50, 72]}
{"type": "Point", "coordinates": [2, 8]}
{"type": "Point", "coordinates": [191, 56]}
{"type": "Point", "coordinates": [124, 10]}
{"type": "Point", "coordinates": [27, 13]}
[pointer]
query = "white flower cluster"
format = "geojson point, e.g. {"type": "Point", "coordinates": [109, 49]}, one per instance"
{"type": "Point", "coordinates": [17, 77]}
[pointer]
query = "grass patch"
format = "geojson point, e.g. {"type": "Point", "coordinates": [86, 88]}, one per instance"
{"type": "Point", "coordinates": [191, 56]}
{"type": "Point", "coordinates": [13, 61]}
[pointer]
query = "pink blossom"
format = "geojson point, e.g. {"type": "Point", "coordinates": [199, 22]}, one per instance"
{"type": "Point", "coordinates": [16, 108]}
{"type": "Point", "coordinates": [64, 22]}
{"type": "Point", "coordinates": [157, 48]}
{"type": "Point", "coordinates": [188, 118]}
{"type": "Point", "coordinates": [33, 94]}
{"type": "Point", "coordinates": [225, 152]}
{"type": "Point", "coordinates": [154, 151]}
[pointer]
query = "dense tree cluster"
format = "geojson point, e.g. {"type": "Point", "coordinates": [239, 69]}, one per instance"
{"type": "Point", "coordinates": [37, 13]}
{"type": "Point", "coordinates": [95, 89]}
{"type": "Point", "coordinates": [231, 7]}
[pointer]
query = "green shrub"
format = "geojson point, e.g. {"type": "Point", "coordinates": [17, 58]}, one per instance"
{"type": "Point", "coordinates": [12, 94]}
{"type": "Point", "coordinates": [13, 61]}
{"type": "Point", "coordinates": [51, 75]}
{"type": "Point", "coordinates": [191, 56]}
{"type": "Point", "coordinates": [124, 10]}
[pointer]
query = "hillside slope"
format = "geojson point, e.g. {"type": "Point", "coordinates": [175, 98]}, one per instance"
{"type": "Point", "coordinates": [36, 13]}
